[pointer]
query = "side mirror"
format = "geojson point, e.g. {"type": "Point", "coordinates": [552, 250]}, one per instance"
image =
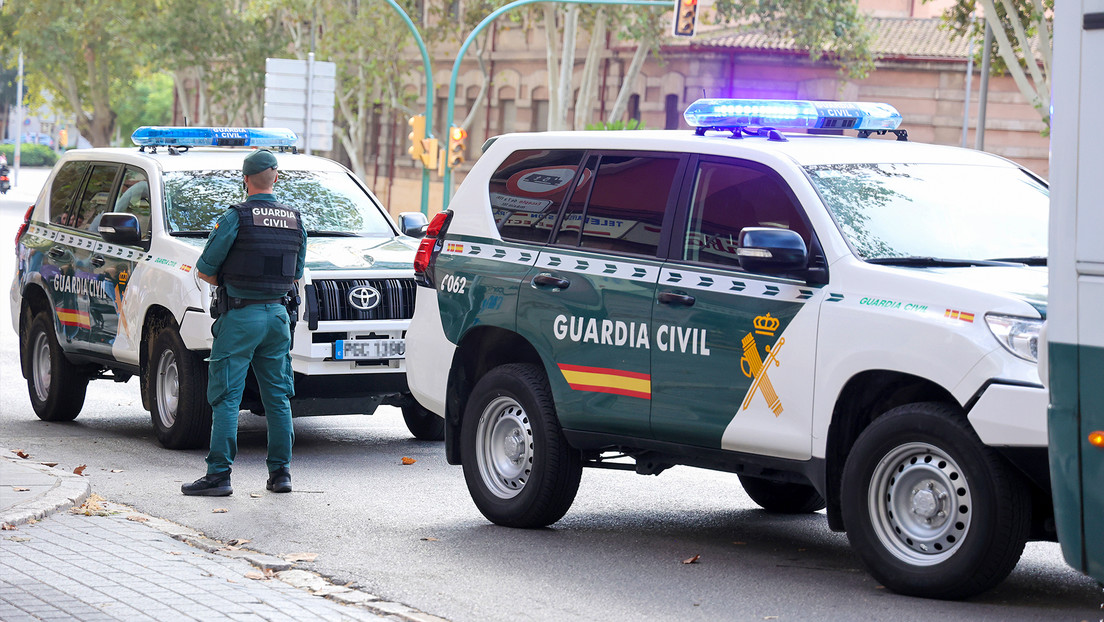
{"type": "Point", "coordinates": [768, 250]}
{"type": "Point", "coordinates": [120, 228]}
{"type": "Point", "coordinates": [413, 224]}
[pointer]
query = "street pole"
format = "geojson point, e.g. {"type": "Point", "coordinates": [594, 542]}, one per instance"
{"type": "Point", "coordinates": [18, 122]}
{"type": "Point", "coordinates": [983, 94]}
{"type": "Point", "coordinates": [428, 68]}
{"type": "Point", "coordinates": [471, 37]}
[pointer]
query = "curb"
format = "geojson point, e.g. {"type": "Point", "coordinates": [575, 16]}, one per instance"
{"type": "Point", "coordinates": [69, 490]}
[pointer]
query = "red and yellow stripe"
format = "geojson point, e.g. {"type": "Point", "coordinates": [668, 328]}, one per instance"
{"type": "Point", "coordinates": [73, 317]}
{"type": "Point", "coordinates": [605, 380]}
{"type": "Point", "coordinates": [954, 314]}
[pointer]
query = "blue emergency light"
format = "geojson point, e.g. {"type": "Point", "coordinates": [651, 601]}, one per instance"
{"type": "Point", "coordinates": [169, 136]}
{"type": "Point", "coordinates": [729, 114]}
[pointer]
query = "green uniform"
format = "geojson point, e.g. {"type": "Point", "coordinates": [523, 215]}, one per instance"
{"type": "Point", "coordinates": [257, 335]}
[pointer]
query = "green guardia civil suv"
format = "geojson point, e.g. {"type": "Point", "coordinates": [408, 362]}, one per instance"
{"type": "Point", "coordinates": [843, 322]}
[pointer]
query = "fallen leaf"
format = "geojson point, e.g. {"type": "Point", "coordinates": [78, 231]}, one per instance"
{"type": "Point", "coordinates": [692, 560]}
{"type": "Point", "coordinates": [770, 617]}
{"type": "Point", "coordinates": [21, 453]}
{"type": "Point", "coordinates": [430, 539]}
{"type": "Point", "coordinates": [20, 489]}
{"type": "Point", "coordinates": [406, 460]}
{"type": "Point", "coordinates": [18, 539]}
{"type": "Point", "coordinates": [80, 470]}
{"type": "Point", "coordinates": [7, 527]}
{"type": "Point", "coordinates": [138, 519]}
{"type": "Point", "coordinates": [92, 506]}
{"type": "Point", "coordinates": [116, 470]}
{"type": "Point", "coordinates": [175, 553]}
{"type": "Point", "coordinates": [256, 576]}
{"type": "Point", "coordinates": [236, 542]}
{"type": "Point", "coordinates": [255, 495]}
{"type": "Point", "coordinates": [49, 464]}
{"type": "Point", "coordinates": [219, 511]}
{"type": "Point", "coordinates": [301, 557]}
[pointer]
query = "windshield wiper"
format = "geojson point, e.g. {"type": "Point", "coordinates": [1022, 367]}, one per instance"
{"type": "Point", "coordinates": [1029, 261]}
{"type": "Point", "coordinates": [938, 262]}
{"type": "Point", "coordinates": [330, 234]}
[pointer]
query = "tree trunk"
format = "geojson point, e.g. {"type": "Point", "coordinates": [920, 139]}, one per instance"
{"type": "Point", "coordinates": [588, 89]}
{"type": "Point", "coordinates": [567, 68]}
{"type": "Point", "coordinates": [550, 57]}
{"type": "Point", "coordinates": [622, 101]}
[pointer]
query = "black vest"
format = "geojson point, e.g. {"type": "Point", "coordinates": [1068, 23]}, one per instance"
{"type": "Point", "coordinates": [265, 253]}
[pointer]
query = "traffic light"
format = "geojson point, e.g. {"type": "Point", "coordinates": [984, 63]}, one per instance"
{"type": "Point", "coordinates": [417, 135]}
{"type": "Point", "coordinates": [686, 14]}
{"type": "Point", "coordinates": [458, 138]}
{"type": "Point", "coordinates": [430, 153]}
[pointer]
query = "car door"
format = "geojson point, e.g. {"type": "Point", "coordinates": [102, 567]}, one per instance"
{"type": "Point", "coordinates": [587, 300]}
{"type": "Point", "coordinates": [54, 258]}
{"type": "Point", "coordinates": [732, 363]}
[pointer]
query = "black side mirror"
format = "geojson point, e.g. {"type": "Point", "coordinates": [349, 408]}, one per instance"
{"type": "Point", "coordinates": [768, 250]}
{"type": "Point", "coordinates": [120, 228]}
{"type": "Point", "coordinates": [413, 224]}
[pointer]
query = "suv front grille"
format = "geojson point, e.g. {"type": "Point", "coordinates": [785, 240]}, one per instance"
{"type": "Point", "coordinates": [396, 299]}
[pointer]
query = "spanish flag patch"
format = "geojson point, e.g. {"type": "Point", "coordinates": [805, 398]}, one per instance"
{"type": "Point", "coordinates": [605, 380]}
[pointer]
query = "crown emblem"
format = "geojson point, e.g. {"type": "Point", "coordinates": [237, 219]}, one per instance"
{"type": "Point", "coordinates": [124, 276]}
{"type": "Point", "coordinates": [765, 324]}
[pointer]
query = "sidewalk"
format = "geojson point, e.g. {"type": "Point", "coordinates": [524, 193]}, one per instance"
{"type": "Point", "coordinates": [66, 554]}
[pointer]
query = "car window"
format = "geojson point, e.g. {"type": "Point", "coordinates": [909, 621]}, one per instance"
{"type": "Point", "coordinates": [330, 202]}
{"type": "Point", "coordinates": [134, 198]}
{"type": "Point", "coordinates": [527, 189]}
{"type": "Point", "coordinates": [624, 210]}
{"type": "Point", "coordinates": [65, 186]}
{"type": "Point", "coordinates": [571, 225]}
{"type": "Point", "coordinates": [727, 197]}
{"type": "Point", "coordinates": [943, 211]}
{"type": "Point", "coordinates": [95, 198]}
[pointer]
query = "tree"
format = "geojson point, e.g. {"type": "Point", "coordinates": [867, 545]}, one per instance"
{"type": "Point", "coordinates": [78, 52]}
{"type": "Point", "coordinates": [1022, 35]}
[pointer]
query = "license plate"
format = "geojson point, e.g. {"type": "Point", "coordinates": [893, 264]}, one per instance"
{"type": "Point", "coordinates": [369, 349]}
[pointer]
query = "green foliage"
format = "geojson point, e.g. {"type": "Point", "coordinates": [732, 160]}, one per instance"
{"type": "Point", "coordinates": [30, 155]}
{"type": "Point", "coordinates": [146, 100]}
{"type": "Point", "coordinates": [832, 29]}
{"type": "Point", "coordinates": [631, 124]}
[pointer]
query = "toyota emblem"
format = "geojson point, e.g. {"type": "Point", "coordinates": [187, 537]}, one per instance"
{"type": "Point", "coordinates": [364, 297]}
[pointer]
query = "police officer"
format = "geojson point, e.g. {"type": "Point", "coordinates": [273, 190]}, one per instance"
{"type": "Point", "coordinates": [256, 252]}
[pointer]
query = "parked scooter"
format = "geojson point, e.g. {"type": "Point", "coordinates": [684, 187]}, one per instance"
{"type": "Point", "coordinates": [5, 181]}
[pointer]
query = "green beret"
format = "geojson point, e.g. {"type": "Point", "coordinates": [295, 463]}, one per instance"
{"type": "Point", "coordinates": [259, 160]}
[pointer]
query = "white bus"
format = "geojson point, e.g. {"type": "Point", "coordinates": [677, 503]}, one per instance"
{"type": "Point", "coordinates": [1074, 344]}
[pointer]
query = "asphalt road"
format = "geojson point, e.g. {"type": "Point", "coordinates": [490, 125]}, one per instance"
{"type": "Point", "coordinates": [410, 533]}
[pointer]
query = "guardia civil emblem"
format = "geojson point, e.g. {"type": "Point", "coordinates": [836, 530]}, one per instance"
{"type": "Point", "coordinates": [755, 365]}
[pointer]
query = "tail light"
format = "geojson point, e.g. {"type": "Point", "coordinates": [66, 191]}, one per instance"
{"type": "Point", "coordinates": [428, 249]}
{"type": "Point", "coordinates": [23, 227]}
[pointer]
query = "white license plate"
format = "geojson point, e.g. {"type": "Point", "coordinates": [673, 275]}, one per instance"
{"type": "Point", "coordinates": [369, 349]}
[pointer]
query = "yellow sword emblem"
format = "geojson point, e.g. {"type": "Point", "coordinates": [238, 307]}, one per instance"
{"type": "Point", "coordinates": [754, 366]}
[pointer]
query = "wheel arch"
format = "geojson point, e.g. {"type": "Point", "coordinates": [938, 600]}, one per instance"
{"type": "Point", "coordinates": [865, 397]}
{"type": "Point", "coordinates": [480, 350]}
{"type": "Point", "coordinates": [35, 301]}
{"type": "Point", "coordinates": [156, 318]}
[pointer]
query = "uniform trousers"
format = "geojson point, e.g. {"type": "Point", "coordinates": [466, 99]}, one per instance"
{"type": "Point", "coordinates": [256, 335]}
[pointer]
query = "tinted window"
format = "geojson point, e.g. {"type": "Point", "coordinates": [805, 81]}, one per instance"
{"type": "Point", "coordinates": [66, 183]}
{"type": "Point", "coordinates": [568, 233]}
{"type": "Point", "coordinates": [134, 198]}
{"type": "Point", "coordinates": [330, 202]}
{"type": "Point", "coordinates": [95, 199]}
{"type": "Point", "coordinates": [527, 189]}
{"type": "Point", "coordinates": [729, 197]}
{"type": "Point", "coordinates": [625, 208]}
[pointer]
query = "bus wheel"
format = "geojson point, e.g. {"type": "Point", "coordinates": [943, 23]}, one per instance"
{"type": "Point", "coordinates": [518, 466]}
{"type": "Point", "coordinates": [929, 509]}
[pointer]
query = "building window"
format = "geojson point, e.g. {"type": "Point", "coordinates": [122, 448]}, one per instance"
{"type": "Point", "coordinates": [634, 107]}
{"type": "Point", "coordinates": [671, 109]}
{"type": "Point", "coordinates": [507, 115]}
{"type": "Point", "coordinates": [539, 122]}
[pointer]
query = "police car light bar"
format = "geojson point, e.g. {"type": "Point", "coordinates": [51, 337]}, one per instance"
{"type": "Point", "coordinates": [168, 136]}
{"type": "Point", "coordinates": [729, 114]}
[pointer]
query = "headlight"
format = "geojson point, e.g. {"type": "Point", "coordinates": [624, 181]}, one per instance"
{"type": "Point", "coordinates": [1018, 335]}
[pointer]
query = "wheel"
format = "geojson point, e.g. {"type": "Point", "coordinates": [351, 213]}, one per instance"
{"type": "Point", "coordinates": [930, 510]}
{"type": "Point", "coordinates": [56, 386]}
{"type": "Point", "coordinates": [177, 381]}
{"type": "Point", "coordinates": [783, 497]}
{"type": "Point", "coordinates": [423, 423]}
{"type": "Point", "coordinates": [518, 466]}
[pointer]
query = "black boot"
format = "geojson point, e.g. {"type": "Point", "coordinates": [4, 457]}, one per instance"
{"type": "Point", "coordinates": [279, 480]}
{"type": "Point", "coordinates": [210, 485]}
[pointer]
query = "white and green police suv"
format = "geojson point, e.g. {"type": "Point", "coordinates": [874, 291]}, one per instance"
{"type": "Point", "coordinates": [841, 321]}
{"type": "Point", "coordinates": [106, 286]}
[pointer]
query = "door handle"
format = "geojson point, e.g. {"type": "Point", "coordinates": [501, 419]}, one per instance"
{"type": "Point", "coordinates": [547, 280]}
{"type": "Point", "coordinates": [97, 261]}
{"type": "Point", "coordinates": [56, 252]}
{"type": "Point", "coordinates": [673, 298]}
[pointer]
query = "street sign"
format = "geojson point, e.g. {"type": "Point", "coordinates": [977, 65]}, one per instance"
{"type": "Point", "coordinates": [287, 84]}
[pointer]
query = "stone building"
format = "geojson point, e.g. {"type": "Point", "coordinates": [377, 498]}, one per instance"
{"type": "Point", "coordinates": [920, 69]}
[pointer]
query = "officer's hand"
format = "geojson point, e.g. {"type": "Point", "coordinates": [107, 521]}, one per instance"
{"type": "Point", "coordinates": [207, 278]}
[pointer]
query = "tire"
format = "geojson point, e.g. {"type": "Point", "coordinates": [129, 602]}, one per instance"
{"type": "Point", "coordinates": [177, 381]}
{"type": "Point", "coordinates": [56, 386]}
{"type": "Point", "coordinates": [783, 497]}
{"type": "Point", "coordinates": [518, 466]}
{"type": "Point", "coordinates": [423, 423]}
{"type": "Point", "coordinates": [929, 509]}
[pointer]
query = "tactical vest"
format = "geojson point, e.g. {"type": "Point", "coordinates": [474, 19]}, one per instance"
{"type": "Point", "coordinates": [265, 253]}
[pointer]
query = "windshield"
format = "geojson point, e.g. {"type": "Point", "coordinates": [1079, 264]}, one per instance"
{"type": "Point", "coordinates": [936, 211]}
{"type": "Point", "coordinates": [330, 202]}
